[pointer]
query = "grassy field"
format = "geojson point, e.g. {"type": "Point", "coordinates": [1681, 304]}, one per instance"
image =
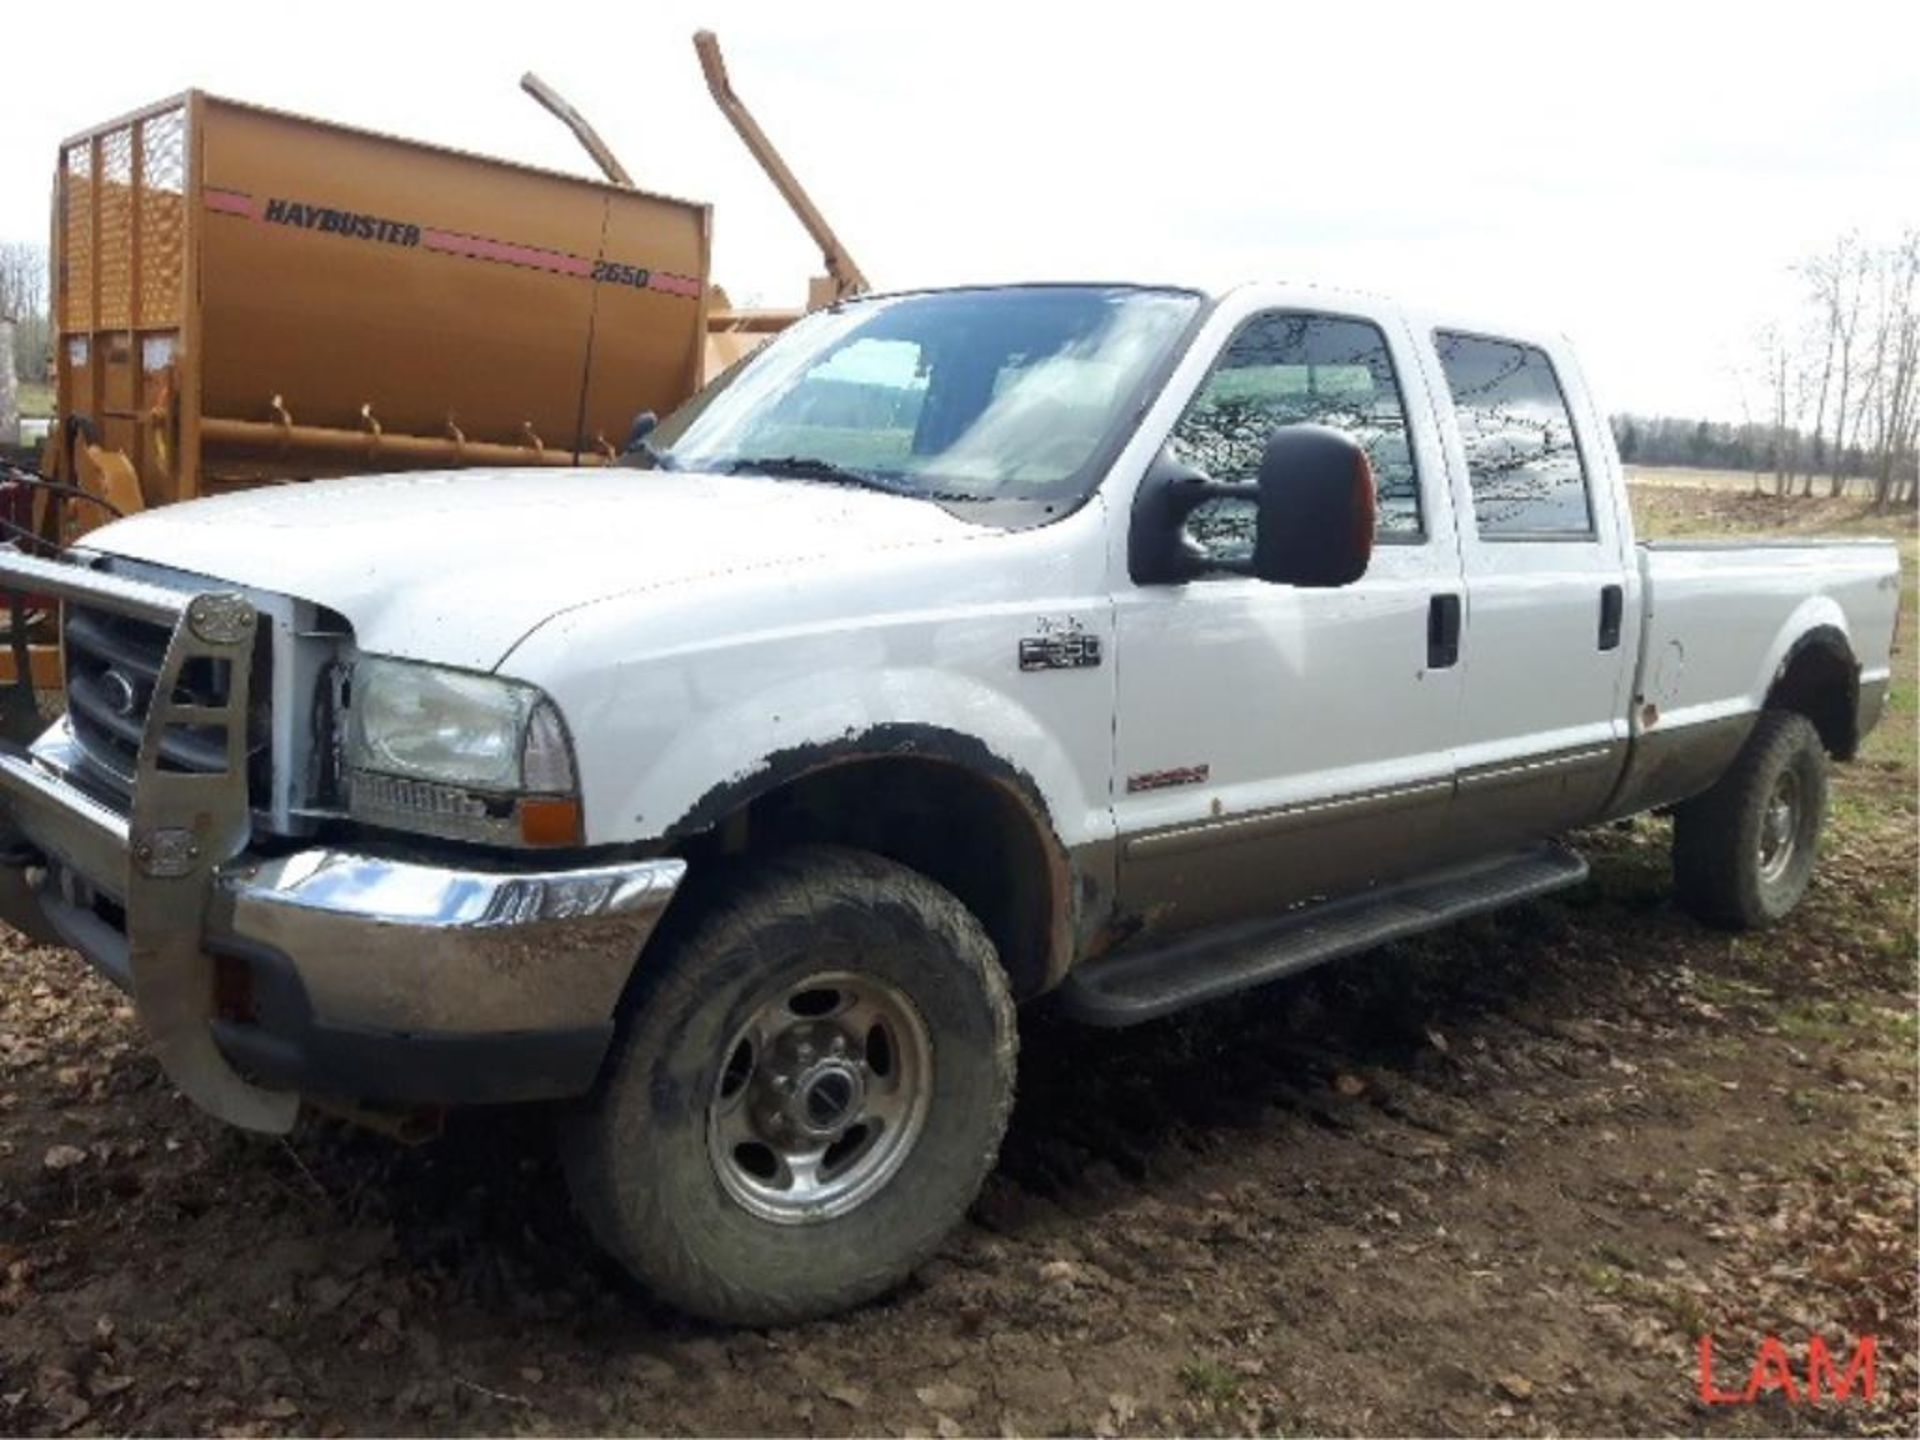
{"type": "Point", "coordinates": [1732, 481]}
{"type": "Point", "coordinates": [1686, 478]}
{"type": "Point", "coordinates": [36, 399]}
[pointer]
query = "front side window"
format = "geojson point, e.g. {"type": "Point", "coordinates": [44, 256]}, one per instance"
{"type": "Point", "coordinates": [1284, 368]}
{"type": "Point", "coordinates": [991, 394]}
{"type": "Point", "coordinates": [1523, 462]}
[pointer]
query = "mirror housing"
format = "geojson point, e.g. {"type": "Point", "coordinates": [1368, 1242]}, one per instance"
{"type": "Point", "coordinates": [637, 433]}
{"type": "Point", "coordinates": [1159, 550]}
{"type": "Point", "coordinates": [1314, 508]}
{"type": "Point", "coordinates": [1318, 509]}
{"type": "Point", "coordinates": [633, 454]}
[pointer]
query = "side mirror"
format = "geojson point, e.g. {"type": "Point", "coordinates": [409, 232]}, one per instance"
{"type": "Point", "coordinates": [1314, 512]}
{"type": "Point", "coordinates": [643, 426]}
{"type": "Point", "coordinates": [634, 453]}
{"type": "Point", "coordinates": [1317, 509]}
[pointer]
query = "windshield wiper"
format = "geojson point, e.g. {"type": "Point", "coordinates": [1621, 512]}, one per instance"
{"type": "Point", "coordinates": [810, 467]}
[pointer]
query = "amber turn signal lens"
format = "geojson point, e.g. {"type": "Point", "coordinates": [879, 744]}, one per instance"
{"type": "Point", "coordinates": [551, 822]}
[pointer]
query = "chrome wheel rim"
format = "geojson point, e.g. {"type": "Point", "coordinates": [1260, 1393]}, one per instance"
{"type": "Point", "coordinates": [820, 1098]}
{"type": "Point", "coordinates": [1780, 826]}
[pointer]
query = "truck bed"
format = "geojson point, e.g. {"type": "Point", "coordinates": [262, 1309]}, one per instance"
{"type": "Point", "coordinates": [1715, 608]}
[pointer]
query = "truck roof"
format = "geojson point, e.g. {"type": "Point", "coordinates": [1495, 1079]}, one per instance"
{"type": "Point", "coordinates": [1304, 293]}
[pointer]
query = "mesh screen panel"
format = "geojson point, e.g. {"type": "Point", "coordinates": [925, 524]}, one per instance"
{"type": "Point", "coordinates": [115, 255]}
{"type": "Point", "coordinates": [163, 178]}
{"type": "Point", "coordinates": [77, 240]}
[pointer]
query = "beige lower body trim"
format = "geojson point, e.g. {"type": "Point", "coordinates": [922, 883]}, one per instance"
{"type": "Point", "coordinates": [1259, 863]}
{"type": "Point", "coordinates": [1671, 763]}
{"type": "Point", "coordinates": [1253, 864]}
{"type": "Point", "coordinates": [1513, 801]}
{"type": "Point", "coordinates": [1235, 829]}
{"type": "Point", "coordinates": [1534, 770]}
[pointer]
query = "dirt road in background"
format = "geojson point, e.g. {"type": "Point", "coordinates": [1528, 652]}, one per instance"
{"type": "Point", "coordinates": [1496, 1180]}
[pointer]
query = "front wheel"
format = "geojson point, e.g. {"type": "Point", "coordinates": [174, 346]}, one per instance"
{"type": "Point", "coordinates": [1743, 852]}
{"type": "Point", "coordinates": [808, 1092]}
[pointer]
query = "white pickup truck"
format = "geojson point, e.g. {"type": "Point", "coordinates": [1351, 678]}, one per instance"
{"type": "Point", "coordinates": [1130, 644]}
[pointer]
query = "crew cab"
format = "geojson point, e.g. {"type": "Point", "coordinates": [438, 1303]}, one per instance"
{"type": "Point", "coordinates": [1132, 645]}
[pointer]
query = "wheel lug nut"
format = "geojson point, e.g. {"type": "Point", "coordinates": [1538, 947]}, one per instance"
{"type": "Point", "coordinates": [839, 1046]}
{"type": "Point", "coordinates": [804, 1050]}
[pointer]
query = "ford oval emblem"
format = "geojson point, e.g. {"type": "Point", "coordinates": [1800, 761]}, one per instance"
{"type": "Point", "coordinates": [121, 697]}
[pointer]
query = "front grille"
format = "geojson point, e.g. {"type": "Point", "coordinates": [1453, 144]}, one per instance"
{"type": "Point", "coordinates": [113, 663]}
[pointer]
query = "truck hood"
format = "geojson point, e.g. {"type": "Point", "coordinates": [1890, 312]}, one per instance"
{"type": "Point", "coordinates": [456, 567]}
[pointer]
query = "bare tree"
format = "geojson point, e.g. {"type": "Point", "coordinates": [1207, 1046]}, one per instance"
{"type": "Point", "coordinates": [1776, 368]}
{"type": "Point", "coordinates": [1788, 353]}
{"type": "Point", "coordinates": [1843, 386]}
{"type": "Point", "coordinates": [23, 297]}
{"type": "Point", "coordinates": [1839, 284]}
{"type": "Point", "coordinates": [1820, 409]}
{"type": "Point", "coordinates": [1895, 377]}
{"type": "Point", "coordinates": [23, 278]}
{"type": "Point", "coordinates": [1835, 280]}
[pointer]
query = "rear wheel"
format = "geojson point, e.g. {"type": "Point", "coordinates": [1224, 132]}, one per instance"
{"type": "Point", "coordinates": [1743, 853]}
{"type": "Point", "coordinates": [807, 1094]}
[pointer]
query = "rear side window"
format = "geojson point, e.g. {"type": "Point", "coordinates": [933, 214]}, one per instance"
{"type": "Point", "coordinates": [1522, 460]}
{"type": "Point", "coordinates": [1288, 369]}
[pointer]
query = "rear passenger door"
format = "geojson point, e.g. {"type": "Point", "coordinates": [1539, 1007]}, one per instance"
{"type": "Point", "coordinates": [1546, 653]}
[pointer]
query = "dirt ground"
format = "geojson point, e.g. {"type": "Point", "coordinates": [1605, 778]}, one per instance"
{"type": "Point", "coordinates": [1499, 1180]}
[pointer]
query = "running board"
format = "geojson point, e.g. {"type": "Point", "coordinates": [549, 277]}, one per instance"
{"type": "Point", "coordinates": [1130, 986]}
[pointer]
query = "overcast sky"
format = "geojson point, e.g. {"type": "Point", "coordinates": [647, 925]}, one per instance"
{"type": "Point", "coordinates": [1640, 178]}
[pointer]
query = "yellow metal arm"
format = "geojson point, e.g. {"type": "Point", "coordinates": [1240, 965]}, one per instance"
{"type": "Point", "coordinates": [845, 274]}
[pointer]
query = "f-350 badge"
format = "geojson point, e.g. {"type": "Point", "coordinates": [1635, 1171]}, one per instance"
{"type": "Point", "coordinates": [1060, 644]}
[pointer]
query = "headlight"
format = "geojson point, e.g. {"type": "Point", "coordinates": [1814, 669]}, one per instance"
{"type": "Point", "coordinates": [457, 753]}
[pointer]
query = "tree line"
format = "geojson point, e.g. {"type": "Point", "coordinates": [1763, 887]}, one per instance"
{"type": "Point", "coordinates": [1749, 446]}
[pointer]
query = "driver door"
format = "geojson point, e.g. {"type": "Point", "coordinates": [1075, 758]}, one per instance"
{"type": "Point", "coordinates": [1275, 743]}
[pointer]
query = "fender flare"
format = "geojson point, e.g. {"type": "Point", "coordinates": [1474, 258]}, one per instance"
{"type": "Point", "coordinates": [901, 740]}
{"type": "Point", "coordinates": [1830, 639]}
{"type": "Point", "coordinates": [1820, 637]}
{"type": "Point", "coordinates": [886, 740]}
{"type": "Point", "coordinates": [1816, 621]}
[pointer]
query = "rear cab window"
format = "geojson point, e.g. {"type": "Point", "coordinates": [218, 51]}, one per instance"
{"type": "Point", "coordinates": [1524, 467]}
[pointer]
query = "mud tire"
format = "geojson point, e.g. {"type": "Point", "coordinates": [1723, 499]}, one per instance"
{"type": "Point", "coordinates": [637, 1158]}
{"type": "Point", "coordinates": [1720, 837]}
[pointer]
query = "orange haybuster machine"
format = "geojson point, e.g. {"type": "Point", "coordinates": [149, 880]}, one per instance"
{"type": "Point", "coordinates": [243, 297]}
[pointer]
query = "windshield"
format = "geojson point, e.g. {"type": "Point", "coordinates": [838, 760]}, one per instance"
{"type": "Point", "coordinates": [1007, 394]}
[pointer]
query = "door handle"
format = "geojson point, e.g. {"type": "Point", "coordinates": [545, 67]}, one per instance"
{"type": "Point", "coordinates": [1612, 606]}
{"type": "Point", "coordinates": [1443, 632]}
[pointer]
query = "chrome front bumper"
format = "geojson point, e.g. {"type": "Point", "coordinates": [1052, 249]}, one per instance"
{"type": "Point", "coordinates": [258, 979]}
{"type": "Point", "coordinates": [352, 975]}
{"type": "Point", "coordinates": [391, 945]}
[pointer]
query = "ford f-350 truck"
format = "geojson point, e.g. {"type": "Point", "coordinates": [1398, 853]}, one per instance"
{"type": "Point", "coordinates": [1133, 645]}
